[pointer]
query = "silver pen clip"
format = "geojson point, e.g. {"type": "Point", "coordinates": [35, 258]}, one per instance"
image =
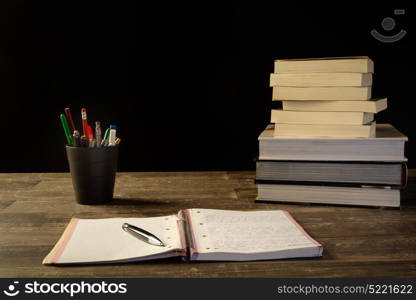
{"type": "Point", "coordinates": [143, 235]}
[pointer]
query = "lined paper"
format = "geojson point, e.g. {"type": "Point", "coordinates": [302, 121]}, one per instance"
{"type": "Point", "coordinates": [247, 232]}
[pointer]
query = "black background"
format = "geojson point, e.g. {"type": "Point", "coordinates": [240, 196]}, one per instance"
{"type": "Point", "coordinates": [186, 84]}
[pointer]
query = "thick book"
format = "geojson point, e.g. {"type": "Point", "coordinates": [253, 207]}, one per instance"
{"type": "Point", "coordinates": [321, 79]}
{"type": "Point", "coordinates": [365, 195]}
{"type": "Point", "coordinates": [370, 106]}
{"type": "Point", "coordinates": [193, 234]}
{"type": "Point", "coordinates": [316, 117]}
{"type": "Point", "coordinates": [330, 172]}
{"type": "Point", "coordinates": [321, 93]}
{"type": "Point", "coordinates": [325, 130]}
{"type": "Point", "coordinates": [353, 64]}
{"type": "Point", "coordinates": [387, 145]}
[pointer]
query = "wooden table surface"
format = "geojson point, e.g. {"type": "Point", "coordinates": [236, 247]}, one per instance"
{"type": "Point", "coordinates": [358, 242]}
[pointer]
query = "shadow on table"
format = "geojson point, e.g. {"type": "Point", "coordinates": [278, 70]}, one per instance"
{"type": "Point", "coordinates": [138, 201]}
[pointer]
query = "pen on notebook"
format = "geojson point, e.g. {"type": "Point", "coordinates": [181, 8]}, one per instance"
{"type": "Point", "coordinates": [84, 122]}
{"type": "Point", "coordinates": [66, 129]}
{"type": "Point", "coordinates": [98, 133]}
{"type": "Point", "coordinates": [76, 138]}
{"type": "Point", "coordinates": [69, 118]}
{"type": "Point", "coordinates": [143, 235]}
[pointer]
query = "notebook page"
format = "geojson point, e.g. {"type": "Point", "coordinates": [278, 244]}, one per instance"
{"type": "Point", "coordinates": [101, 240]}
{"type": "Point", "coordinates": [247, 232]}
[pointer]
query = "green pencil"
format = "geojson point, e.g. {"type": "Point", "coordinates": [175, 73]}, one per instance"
{"type": "Point", "coordinates": [106, 134]}
{"type": "Point", "coordinates": [67, 131]}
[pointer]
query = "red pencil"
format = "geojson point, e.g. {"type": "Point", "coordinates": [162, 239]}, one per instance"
{"type": "Point", "coordinates": [84, 121]}
{"type": "Point", "coordinates": [90, 134]}
{"type": "Point", "coordinates": [69, 118]}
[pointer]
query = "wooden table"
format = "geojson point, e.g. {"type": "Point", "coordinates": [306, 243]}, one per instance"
{"type": "Point", "coordinates": [358, 242]}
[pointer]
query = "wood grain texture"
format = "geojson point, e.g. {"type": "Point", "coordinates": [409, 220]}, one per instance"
{"type": "Point", "coordinates": [358, 242]}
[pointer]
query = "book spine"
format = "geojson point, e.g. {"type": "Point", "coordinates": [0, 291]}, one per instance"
{"type": "Point", "coordinates": [405, 176]}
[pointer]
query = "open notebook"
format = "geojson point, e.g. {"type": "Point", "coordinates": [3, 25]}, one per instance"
{"type": "Point", "coordinates": [195, 234]}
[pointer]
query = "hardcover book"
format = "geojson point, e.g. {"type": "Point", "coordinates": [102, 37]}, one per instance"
{"type": "Point", "coordinates": [364, 195]}
{"type": "Point", "coordinates": [386, 146]}
{"type": "Point", "coordinates": [331, 172]}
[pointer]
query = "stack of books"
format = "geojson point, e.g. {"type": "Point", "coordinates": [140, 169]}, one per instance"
{"type": "Point", "coordinates": [324, 145]}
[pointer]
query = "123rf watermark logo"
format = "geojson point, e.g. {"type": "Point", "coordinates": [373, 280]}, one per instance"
{"type": "Point", "coordinates": [388, 24]}
{"type": "Point", "coordinates": [71, 288]}
{"type": "Point", "coordinates": [12, 290]}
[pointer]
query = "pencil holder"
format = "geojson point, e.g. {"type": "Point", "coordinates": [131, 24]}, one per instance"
{"type": "Point", "coordinates": [93, 172]}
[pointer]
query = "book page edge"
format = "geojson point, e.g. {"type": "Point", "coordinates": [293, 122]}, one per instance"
{"type": "Point", "coordinates": [55, 254]}
{"type": "Point", "coordinates": [291, 219]}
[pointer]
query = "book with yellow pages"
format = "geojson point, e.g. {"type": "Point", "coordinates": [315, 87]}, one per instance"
{"type": "Point", "coordinates": [351, 64]}
{"type": "Point", "coordinates": [321, 79]}
{"type": "Point", "coordinates": [315, 117]}
{"type": "Point", "coordinates": [371, 106]}
{"type": "Point", "coordinates": [346, 93]}
{"type": "Point", "coordinates": [325, 131]}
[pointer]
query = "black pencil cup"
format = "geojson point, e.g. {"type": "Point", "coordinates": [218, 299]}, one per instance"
{"type": "Point", "coordinates": [93, 172]}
